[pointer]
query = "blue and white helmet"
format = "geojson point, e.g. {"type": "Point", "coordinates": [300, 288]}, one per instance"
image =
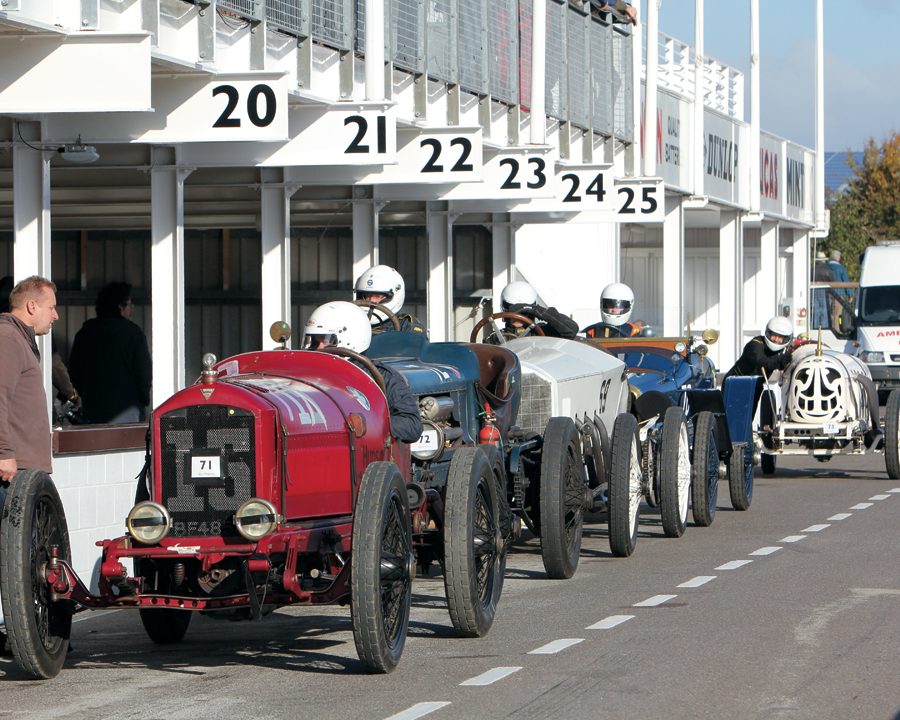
{"type": "Point", "coordinates": [382, 280]}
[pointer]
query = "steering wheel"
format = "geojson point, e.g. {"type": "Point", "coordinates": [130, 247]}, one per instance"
{"type": "Point", "coordinates": [362, 360]}
{"type": "Point", "coordinates": [645, 371]}
{"type": "Point", "coordinates": [389, 314]}
{"type": "Point", "coordinates": [531, 326]}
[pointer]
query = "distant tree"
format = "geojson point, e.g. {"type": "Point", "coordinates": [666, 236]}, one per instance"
{"type": "Point", "coordinates": [869, 211]}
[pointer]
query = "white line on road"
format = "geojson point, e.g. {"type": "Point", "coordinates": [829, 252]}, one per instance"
{"type": "Point", "coordinates": [491, 676]}
{"type": "Point", "coordinates": [734, 564]}
{"type": "Point", "coordinates": [654, 601]}
{"type": "Point", "coordinates": [418, 710]}
{"type": "Point", "coordinates": [861, 506]}
{"type": "Point", "coordinates": [879, 497]}
{"type": "Point", "coordinates": [555, 646]}
{"type": "Point", "coordinates": [792, 538]}
{"type": "Point", "coordinates": [816, 528]}
{"type": "Point", "coordinates": [697, 581]}
{"type": "Point", "coordinates": [610, 622]}
{"type": "Point", "coordinates": [766, 550]}
{"type": "Point", "coordinates": [894, 490]}
{"type": "Point", "coordinates": [840, 516]}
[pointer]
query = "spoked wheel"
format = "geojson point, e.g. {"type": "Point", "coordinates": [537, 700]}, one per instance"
{"type": "Point", "coordinates": [381, 568]}
{"type": "Point", "coordinates": [740, 476]}
{"type": "Point", "coordinates": [674, 473]}
{"type": "Point", "coordinates": [624, 486]}
{"type": "Point", "coordinates": [165, 626]}
{"type": "Point", "coordinates": [474, 546]}
{"type": "Point", "coordinates": [34, 522]}
{"type": "Point", "coordinates": [892, 435]}
{"type": "Point", "coordinates": [562, 498]}
{"type": "Point", "coordinates": [767, 463]}
{"type": "Point", "coordinates": [705, 470]}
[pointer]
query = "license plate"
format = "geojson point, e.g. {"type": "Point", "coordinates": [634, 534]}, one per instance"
{"type": "Point", "coordinates": [831, 428]}
{"type": "Point", "coordinates": [206, 466]}
{"type": "Point", "coordinates": [427, 442]}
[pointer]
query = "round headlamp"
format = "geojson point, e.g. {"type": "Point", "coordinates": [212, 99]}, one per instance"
{"type": "Point", "coordinates": [430, 443]}
{"type": "Point", "coordinates": [256, 518]}
{"type": "Point", "coordinates": [680, 347]}
{"type": "Point", "coordinates": [148, 522]}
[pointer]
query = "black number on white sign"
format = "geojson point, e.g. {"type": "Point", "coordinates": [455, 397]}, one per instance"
{"type": "Point", "coordinates": [362, 127]}
{"type": "Point", "coordinates": [259, 95]}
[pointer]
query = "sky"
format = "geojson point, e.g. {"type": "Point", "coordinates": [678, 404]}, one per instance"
{"type": "Point", "coordinates": [862, 62]}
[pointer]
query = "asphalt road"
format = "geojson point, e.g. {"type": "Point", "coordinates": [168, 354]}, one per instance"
{"type": "Point", "coordinates": [789, 610]}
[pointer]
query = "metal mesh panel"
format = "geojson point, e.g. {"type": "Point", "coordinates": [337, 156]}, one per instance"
{"type": "Point", "coordinates": [472, 75]}
{"type": "Point", "coordinates": [623, 119]}
{"type": "Point", "coordinates": [206, 506]}
{"type": "Point", "coordinates": [526, 17]}
{"type": "Point", "coordinates": [555, 84]}
{"type": "Point", "coordinates": [503, 49]}
{"type": "Point", "coordinates": [577, 54]}
{"type": "Point", "coordinates": [331, 22]}
{"type": "Point", "coordinates": [250, 9]}
{"type": "Point", "coordinates": [534, 410]}
{"type": "Point", "coordinates": [407, 38]}
{"type": "Point", "coordinates": [440, 41]}
{"type": "Point", "coordinates": [601, 78]}
{"type": "Point", "coordinates": [288, 15]}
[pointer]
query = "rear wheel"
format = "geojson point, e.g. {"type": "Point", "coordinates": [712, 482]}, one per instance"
{"type": "Point", "coordinates": [892, 435]}
{"type": "Point", "coordinates": [767, 463]}
{"type": "Point", "coordinates": [740, 476]}
{"type": "Point", "coordinates": [674, 473]}
{"type": "Point", "coordinates": [705, 470]}
{"type": "Point", "coordinates": [474, 546]}
{"type": "Point", "coordinates": [381, 566]}
{"type": "Point", "coordinates": [33, 522]}
{"type": "Point", "coordinates": [165, 626]}
{"type": "Point", "coordinates": [624, 486]}
{"type": "Point", "coordinates": [562, 498]}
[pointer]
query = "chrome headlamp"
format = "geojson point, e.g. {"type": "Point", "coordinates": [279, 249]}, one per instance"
{"type": "Point", "coordinates": [148, 522]}
{"type": "Point", "coordinates": [256, 518]}
{"type": "Point", "coordinates": [430, 443]}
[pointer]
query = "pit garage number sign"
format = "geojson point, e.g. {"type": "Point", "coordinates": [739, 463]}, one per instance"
{"type": "Point", "coordinates": [234, 108]}
{"type": "Point", "coordinates": [639, 200]}
{"type": "Point", "coordinates": [437, 155]}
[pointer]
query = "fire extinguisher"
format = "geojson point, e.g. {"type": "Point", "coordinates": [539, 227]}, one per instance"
{"type": "Point", "coordinates": [489, 433]}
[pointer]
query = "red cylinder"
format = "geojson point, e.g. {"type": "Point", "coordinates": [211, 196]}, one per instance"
{"type": "Point", "coordinates": [489, 435]}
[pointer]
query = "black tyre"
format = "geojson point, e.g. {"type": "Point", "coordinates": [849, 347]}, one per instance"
{"type": "Point", "coordinates": [474, 546]}
{"type": "Point", "coordinates": [767, 417]}
{"type": "Point", "coordinates": [705, 470]}
{"type": "Point", "coordinates": [740, 477]}
{"type": "Point", "coordinates": [767, 463]}
{"type": "Point", "coordinates": [624, 486]}
{"type": "Point", "coordinates": [33, 522]}
{"type": "Point", "coordinates": [562, 490]}
{"type": "Point", "coordinates": [381, 568]}
{"type": "Point", "coordinates": [165, 626]}
{"type": "Point", "coordinates": [892, 435]}
{"type": "Point", "coordinates": [674, 473]}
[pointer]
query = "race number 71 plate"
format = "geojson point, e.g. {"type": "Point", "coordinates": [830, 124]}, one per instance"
{"type": "Point", "coordinates": [206, 466]}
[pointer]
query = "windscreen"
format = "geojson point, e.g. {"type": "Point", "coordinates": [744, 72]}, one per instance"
{"type": "Point", "coordinates": [879, 305]}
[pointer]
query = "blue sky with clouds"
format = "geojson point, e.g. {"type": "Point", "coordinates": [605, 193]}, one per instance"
{"type": "Point", "coordinates": [862, 62]}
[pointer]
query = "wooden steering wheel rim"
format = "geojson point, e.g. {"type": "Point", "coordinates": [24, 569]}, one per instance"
{"type": "Point", "coordinates": [473, 338]}
{"type": "Point", "coordinates": [395, 321]}
{"type": "Point", "coordinates": [362, 360]}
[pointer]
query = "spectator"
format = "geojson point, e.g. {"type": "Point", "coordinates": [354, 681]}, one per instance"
{"type": "Point", "coordinates": [821, 273]}
{"type": "Point", "coordinates": [110, 361]}
{"type": "Point", "coordinates": [624, 9]}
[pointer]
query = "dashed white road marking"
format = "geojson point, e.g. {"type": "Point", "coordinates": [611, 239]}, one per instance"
{"type": "Point", "coordinates": [418, 710]}
{"type": "Point", "coordinates": [734, 564]}
{"type": "Point", "coordinates": [610, 622]}
{"type": "Point", "coordinates": [894, 490]}
{"type": "Point", "coordinates": [840, 516]}
{"type": "Point", "coordinates": [861, 506]}
{"type": "Point", "coordinates": [816, 528]}
{"type": "Point", "coordinates": [697, 581]}
{"type": "Point", "coordinates": [766, 550]}
{"type": "Point", "coordinates": [654, 601]}
{"type": "Point", "coordinates": [879, 497]}
{"type": "Point", "coordinates": [491, 676]}
{"type": "Point", "coordinates": [93, 614]}
{"type": "Point", "coordinates": [793, 538]}
{"type": "Point", "coordinates": [556, 646]}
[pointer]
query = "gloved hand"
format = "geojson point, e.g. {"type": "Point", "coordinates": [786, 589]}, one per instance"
{"type": "Point", "coordinates": [531, 311]}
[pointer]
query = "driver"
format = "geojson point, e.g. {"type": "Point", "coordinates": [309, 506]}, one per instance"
{"type": "Point", "coordinates": [767, 351]}
{"type": "Point", "coordinates": [343, 324]}
{"type": "Point", "coordinates": [383, 285]}
{"type": "Point", "coordinates": [616, 304]}
{"type": "Point", "coordinates": [520, 297]}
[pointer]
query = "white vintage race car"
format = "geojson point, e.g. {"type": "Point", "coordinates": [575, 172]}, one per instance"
{"type": "Point", "coordinates": [825, 410]}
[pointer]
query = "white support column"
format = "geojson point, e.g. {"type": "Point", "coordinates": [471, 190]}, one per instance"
{"type": "Point", "coordinates": [820, 119]}
{"type": "Point", "coordinates": [365, 230]}
{"type": "Point", "coordinates": [503, 256]}
{"type": "Point", "coordinates": [673, 267]}
{"type": "Point", "coordinates": [731, 277]}
{"type": "Point", "coordinates": [31, 226]}
{"type": "Point", "coordinates": [697, 168]}
{"type": "Point", "coordinates": [275, 211]}
{"type": "Point", "coordinates": [633, 152]}
{"type": "Point", "coordinates": [800, 272]}
{"type": "Point", "coordinates": [538, 71]}
{"type": "Point", "coordinates": [439, 288]}
{"type": "Point", "coordinates": [767, 288]}
{"type": "Point", "coordinates": [754, 106]}
{"type": "Point", "coordinates": [649, 140]}
{"type": "Point", "coordinates": [167, 272]}
{"type": "Point", "coordinates": [374, 60]}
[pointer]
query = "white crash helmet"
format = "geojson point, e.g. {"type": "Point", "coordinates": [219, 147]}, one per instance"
{"type": "Point", "coordinates": [339, 323]}
{"type": "Point", "coordinates": [778, 334]}
{"type": "Point", "coordinates": [384, 280]}
{"type": "Point", "coordinates": [616, 302]}
{"type": "Point", "coordinates": [517, 293]}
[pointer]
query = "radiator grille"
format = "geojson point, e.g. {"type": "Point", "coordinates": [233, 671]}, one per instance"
{"type": "Point", "coordinates": [206, 506]}
{"type": "Point", "coordinates": [534, 410]}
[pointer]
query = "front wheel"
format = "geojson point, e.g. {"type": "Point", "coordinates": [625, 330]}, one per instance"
{"type": "Point", "coordinates": [892, 435]}
{"type": "Point", "coordinates": [165, 626]}
{"type": "Point", "coordinates": [381, 567]}
{"type": "Point", "coordinates": [624, 486]}
{"type": "Point", "coordinates": [33, 522]}
{"type": "Point", "coordinates": [474, 545]}
{"type": "Point", "coordinates": [705, 470]}
{"type": "Point", "coordinates": [740, 476]}
{"type": "Point", "coordinates": [767, 463]}
{"type": "Point", "coordinates": [674, 473]}
{"type": "Point", "coordinates": [562, 498]}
